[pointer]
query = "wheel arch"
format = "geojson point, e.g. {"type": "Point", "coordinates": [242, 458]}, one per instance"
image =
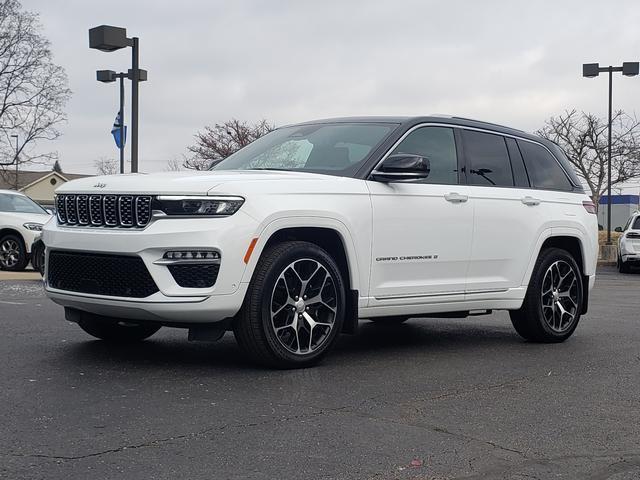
{"type": "Point", "coordinates": [571, 243]}
{"type": "Point", "coordinates": [332, 237]}
{"type": "Point", "coordinates": [12, 231]}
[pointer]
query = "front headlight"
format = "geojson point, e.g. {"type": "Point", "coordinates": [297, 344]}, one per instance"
{"type": "Point", "coordinates": [36, 227]}
{"type": "Point", "coordinates": [198, 206]}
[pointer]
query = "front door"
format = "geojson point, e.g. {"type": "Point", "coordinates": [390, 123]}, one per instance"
{"type": "Point", "coordinates": [422, 229]}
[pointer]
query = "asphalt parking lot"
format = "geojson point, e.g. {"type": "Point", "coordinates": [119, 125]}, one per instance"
{"type": "Point", "coordinates": [430, 399]}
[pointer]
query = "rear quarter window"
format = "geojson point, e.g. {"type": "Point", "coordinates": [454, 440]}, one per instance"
{"type": "Point", "coordinates": [542, 167]}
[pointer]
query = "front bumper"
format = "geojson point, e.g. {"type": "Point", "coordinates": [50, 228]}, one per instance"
{"type": "Point", "coordinates": [230, 236]}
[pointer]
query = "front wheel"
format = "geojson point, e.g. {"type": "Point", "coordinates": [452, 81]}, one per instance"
{"type": "Point", "coordinates": [551, 308]}
{"type": "Point", "coordinates": [13, 253]}
{"type": "Point", "coordinates": [294, 308]}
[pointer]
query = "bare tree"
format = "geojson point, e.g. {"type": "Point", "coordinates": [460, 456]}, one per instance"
{"type": "Point", "coordinates": [218, 142]}
{"type": "Point", "coordinates": [33, 89]}
{"type": "Point", "coordinates": [583, 137]}
{"type": "Point", "coordinates": [106, 166]}
{"type": "Point", "coordinates": [174, 165]}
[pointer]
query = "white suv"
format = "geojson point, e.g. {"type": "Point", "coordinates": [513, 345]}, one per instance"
{"type": "Point", "coordinates": [629, 244]}
{"type": "Point", "coordinates": [291, 240]}
{"type": "Point", "coordinates": [21, 221]}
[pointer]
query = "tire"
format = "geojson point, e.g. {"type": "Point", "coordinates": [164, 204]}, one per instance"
{"type": "Point", "coordinates": [623, 267]}
{"type": "Point", "coordinates": [13, 253]}
{"type": "Point", "coordinates": [37, 256]}
{"type": "Point", "coordinates": [388, 320]}
{"type": "Point", "coordinates": [267, 327]}
{"type": "Point", "coordinates": [555, 286]}
{"type": "Point", "coordinates": [115, 330]}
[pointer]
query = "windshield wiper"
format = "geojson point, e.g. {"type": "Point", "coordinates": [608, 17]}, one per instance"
{"type": "Point", "coordinates": [270, 168]}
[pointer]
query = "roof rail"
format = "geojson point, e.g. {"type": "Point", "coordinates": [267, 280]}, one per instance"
{"type": "Point", "coordinates": [488, 123]}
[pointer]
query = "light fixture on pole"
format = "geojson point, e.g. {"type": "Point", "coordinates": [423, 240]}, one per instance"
{"type": "Point", "coordinates": [591, 70]}
{"type": "Point", "coordinates": [108, 76]}
{"type": "Point", "coordinates": [108, 39]}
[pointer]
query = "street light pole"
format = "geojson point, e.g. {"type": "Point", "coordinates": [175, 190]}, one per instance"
{"type": "Point", "coordinates": [609, 157]}
{"type": "Point", "coordinates": [121, 123]}
{"type": "Point", "coordinates": [135, 81]}
{"type": "Point", "coordinates": [590, 70]}
{"type": "Point", "coordinates": [109, 39]}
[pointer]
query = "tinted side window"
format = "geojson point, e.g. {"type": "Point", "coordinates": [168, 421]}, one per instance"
{"type": "Point", "coordinates": [543, 168]}
{"type": "Point", "coordinates": [636, 224]}
{"type": "Point", "coordinates": [487, 158]}
{"type": "Point", "coordinates": [438, 145]}
{"type": "Point", "coordinates": [520, 177]}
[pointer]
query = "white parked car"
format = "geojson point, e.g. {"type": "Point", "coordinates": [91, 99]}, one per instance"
{"type": "Point", "coordinates": [291, 240]}
{"type": "Point", "coordinates": [629, 244]}
{"type": "Point", "coordinates": [21, 221]}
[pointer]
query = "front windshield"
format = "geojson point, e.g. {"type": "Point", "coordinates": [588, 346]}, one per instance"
{"type": "Point", "coordinates": [19, 204]}
{"type": "Point", "coordinates": [331, 148]}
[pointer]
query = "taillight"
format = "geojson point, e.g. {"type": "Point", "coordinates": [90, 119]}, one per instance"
{"type": "Point", "coordinates": [589, 206]}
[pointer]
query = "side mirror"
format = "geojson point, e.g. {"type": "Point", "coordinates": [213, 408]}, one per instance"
{"type": "Point", "coordinates": [618, 229]}
{"type": "Point", "coordinates": [402, 167]}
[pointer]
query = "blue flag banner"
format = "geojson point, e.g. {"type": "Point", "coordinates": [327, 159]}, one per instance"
{"type": "Point", "coordinates": [115, 131]}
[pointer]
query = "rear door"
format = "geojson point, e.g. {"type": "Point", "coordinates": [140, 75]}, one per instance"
{"type": "Point", "coordinates": [508, 216]}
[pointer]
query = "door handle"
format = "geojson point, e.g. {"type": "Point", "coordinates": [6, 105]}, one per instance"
{"type": "Point", "coordinates": [530, 201]}
{"type": "Point", "coordinates": [455, 197]}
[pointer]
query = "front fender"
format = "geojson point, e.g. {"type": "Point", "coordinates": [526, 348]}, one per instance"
{"type": "Point", "coordinates": [356, 248]}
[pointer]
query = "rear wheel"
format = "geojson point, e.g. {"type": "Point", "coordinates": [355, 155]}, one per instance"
{"type": "Point", "coordinates": [13, 253]}
{"type": "Point", "coordinates": [115, 330]}
{"type": "Point", "coordinates": [551, 308]}
{"type": "Point", "coordinates": [623, 267]}
{"type": "Point", "coordinates": [294, 308]}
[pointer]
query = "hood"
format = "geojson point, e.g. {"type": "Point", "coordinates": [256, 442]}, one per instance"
{"type": "Point", "coordinates": [18, 218]}
{"type": "Point", "coordinates": [180, 183]}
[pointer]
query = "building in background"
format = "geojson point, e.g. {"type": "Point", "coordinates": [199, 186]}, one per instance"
{"type": "Point", "coordinates": [40, 186]}
{"type": "Point", "coordinates": [622, 206]}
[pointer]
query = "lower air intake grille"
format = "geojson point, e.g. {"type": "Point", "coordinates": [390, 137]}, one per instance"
{"type": "Point", "coordinates": [195, 276]}
{"type": "Point", "coordinates": [110, 275]}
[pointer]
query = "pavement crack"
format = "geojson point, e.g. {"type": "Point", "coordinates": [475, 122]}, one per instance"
{"type": "Point", "coordinates": [183, 437]}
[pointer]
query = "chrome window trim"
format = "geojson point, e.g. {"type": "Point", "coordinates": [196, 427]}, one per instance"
{"type": "Point", "coordinates": [477, 129]}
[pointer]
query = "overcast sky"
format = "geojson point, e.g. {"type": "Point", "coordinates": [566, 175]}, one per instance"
{"type": "Point", "coordinates": [511, 62]}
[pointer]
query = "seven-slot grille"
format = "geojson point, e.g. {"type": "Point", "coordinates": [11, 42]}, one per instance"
{"type": "Point", "coordinates": [104, 210]}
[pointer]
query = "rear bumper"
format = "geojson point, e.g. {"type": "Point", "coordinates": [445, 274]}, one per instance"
{"type": "Point", "coordinates": [631, 257]}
